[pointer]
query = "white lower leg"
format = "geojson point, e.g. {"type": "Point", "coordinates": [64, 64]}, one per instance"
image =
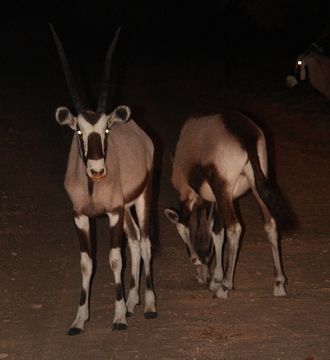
{"type": "Point", "coordinates": [133, 295]}
{"type": "Point", "coordinates": [217, 276]}
{"type": "Point", "coordinates": [150, 299]}
{"type": "Point", "coordinates": [279, 281]}
{"type": "Point", "coordinates": [82, 316]}
{"type": "Point", "coordinates": [120, 306]}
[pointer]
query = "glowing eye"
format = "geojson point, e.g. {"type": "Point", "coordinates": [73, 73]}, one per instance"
{"type": "Point", "coordinates": [107, 131]}
{"type": "Point", "coordinates": [79, 132]}
{"type": "Point", "coordinates": [299, 62]}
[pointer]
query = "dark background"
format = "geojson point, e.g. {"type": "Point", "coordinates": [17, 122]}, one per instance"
{"type": "Point", "coordinates": [158, 29]}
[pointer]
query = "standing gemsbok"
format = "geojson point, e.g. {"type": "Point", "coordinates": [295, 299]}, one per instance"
{"type": "Point", "coordinates": [109, 170]}
{"type": "Point", "coordinates": [217, 159]}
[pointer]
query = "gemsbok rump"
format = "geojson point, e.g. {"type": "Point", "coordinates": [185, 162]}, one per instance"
{"type": "Point", "coordinates": [217, 159]}
{"type": "Point", "coordinates": [109, 171]}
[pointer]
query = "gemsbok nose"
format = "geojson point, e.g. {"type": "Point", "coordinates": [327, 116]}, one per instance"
{"type": "Point", "coordinates": [97, 173]}
{"type": "Point", "coordinates": [96, 169]}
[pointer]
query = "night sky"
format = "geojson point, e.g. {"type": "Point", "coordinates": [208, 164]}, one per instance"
{"type": "Point", "coordinates": [153, 28]}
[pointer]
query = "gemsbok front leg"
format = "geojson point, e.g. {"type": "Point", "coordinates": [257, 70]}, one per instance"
{"type": "Point", "coordinates": [217, 276]}
{"type": "Point", "coordinates": [133, 237]}
{"type": "Point", "coordinates": [143, 209]}
{"type": "Point", "coordinates": [272, 235]}
{"type": "Point", "coordinates": [86, 264]}
{"type": "Point", "coordinates": [116, 220]}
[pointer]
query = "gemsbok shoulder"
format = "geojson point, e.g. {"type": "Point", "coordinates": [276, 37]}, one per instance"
{"type": "Point", "coordinates": [109, 171]}
{"type": "Point", "coordinates": [217, 159]}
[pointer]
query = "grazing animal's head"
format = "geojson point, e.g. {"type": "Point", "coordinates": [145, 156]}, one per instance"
{"type": "Point", "coordinates": [92, 127]}
{"type": "Point", "coordinates": [195, 229]}
{"type": "Point", "coordinates": [304, 60]}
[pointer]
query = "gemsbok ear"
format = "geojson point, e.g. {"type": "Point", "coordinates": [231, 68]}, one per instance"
{"type": "Point", "coordinates": [172, 215]}
{"type": "Point", "coordinates": [121, 113]}
{"type": "Point", "coordinates": [64, 117]}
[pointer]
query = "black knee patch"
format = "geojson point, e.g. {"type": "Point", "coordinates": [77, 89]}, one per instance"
{"type": "Point", "coordinates": [119, 292]}
{"type": "Point", "coordinates": [132, 282]}
{"type": "Point", "coordinates": [149, 283]}
{"type": "Point", "coordinates": [83, 296]}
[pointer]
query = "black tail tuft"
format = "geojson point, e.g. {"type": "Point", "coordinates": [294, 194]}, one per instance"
{"type": "Point", "coordinates": [278, 205]}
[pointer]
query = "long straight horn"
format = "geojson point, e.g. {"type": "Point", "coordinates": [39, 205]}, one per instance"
{"type": "Point", "coordinates": [68, 74]}
{"type": "Point", "coordinates": [102, 104]}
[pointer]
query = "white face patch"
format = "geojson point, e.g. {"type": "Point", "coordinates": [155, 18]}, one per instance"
{"type": "Point", "coordinates": [87, 128]}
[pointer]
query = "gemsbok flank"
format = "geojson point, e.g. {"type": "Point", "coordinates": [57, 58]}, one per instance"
{"type": "Point", "coordinates": [312, 65]}
{"type": "Point", "coordinates": [109, 170]}
{"type": "Point", "coordinates": [217, 159]}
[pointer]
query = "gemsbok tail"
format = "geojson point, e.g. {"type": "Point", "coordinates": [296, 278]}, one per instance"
{"type": "Point", "coordinates": [276, 203]}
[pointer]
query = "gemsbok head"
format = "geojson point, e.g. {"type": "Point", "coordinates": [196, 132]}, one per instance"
{"type": "Point", "coordinates": [109, 170]}
{"type": "Point", "coordinates": [313, 66]}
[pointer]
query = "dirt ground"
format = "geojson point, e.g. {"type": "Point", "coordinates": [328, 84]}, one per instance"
{"type": "Point", "coordinates": [39, 258]}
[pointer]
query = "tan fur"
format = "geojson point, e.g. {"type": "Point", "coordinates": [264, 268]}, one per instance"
{"type": "Point", "coordinates": [129, 163]}
{"type": "Point", "coordinates": [205, 141]}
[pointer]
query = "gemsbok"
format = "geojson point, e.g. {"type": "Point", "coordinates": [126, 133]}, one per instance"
{"type": "Point", "coordinates": [217, 159]}
{"type": "Point", "coordinates": [109, 171]}
{"type": "Point", "coordinates": [312, 65]}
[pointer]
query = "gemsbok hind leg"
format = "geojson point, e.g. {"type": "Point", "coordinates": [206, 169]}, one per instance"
{"type": "Point", "coordinates": [86, 264]}
{"type": "Point", "coordinates": [116, 220]}
{"type": "Point", "coordinates": [143, 209]}
{"type": "Point", "coordinates": [272, 235]}
{"type": "Point", "coordinates": [133, 237]}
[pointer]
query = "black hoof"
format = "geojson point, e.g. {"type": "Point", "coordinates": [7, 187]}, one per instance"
{"type": "Point", "coordinates": [150, 314]}
{"type": "Point", "coordinates": [119, 326]}
{"type": "Point", "coordinates": [74, 331]}
{"type": "Point", "coordinates": [129, 314]}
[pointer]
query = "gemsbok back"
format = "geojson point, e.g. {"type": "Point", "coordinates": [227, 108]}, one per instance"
{"type": "Point", "coordinates": [217, 159]}
{"type": "Point", "coordinates": [312, 65]}
{"type": "Point", "coordinates": [109, 171]}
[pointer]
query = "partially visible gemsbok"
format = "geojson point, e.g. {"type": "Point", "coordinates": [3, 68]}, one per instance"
{"type": "Point", "coordinates": [109, 171]}
{"type": "Point", "coordinates": [217, 159]}
{"type": "Point", "coordinates": [312, 65]}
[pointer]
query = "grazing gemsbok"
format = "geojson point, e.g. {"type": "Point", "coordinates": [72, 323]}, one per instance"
{"type": "Point", "coordinates": [109, 170]}
{"type": "Point", "coordinates": [312, 65]}
{"type": "Point", "coordinates": [217, 159]}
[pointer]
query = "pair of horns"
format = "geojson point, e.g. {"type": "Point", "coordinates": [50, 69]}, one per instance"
{"type": "Point", "coordinates": [102, 103]}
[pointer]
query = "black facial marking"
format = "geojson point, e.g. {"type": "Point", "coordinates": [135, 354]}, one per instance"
{"type": "Point", "coordinates": [119, 292]}
{"type": "Point", "coordinates": [91, 117]}
{"type": "Point", "coordinates": [83, 296]}
{"type": "Point", "coordinates": [94, 151]}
